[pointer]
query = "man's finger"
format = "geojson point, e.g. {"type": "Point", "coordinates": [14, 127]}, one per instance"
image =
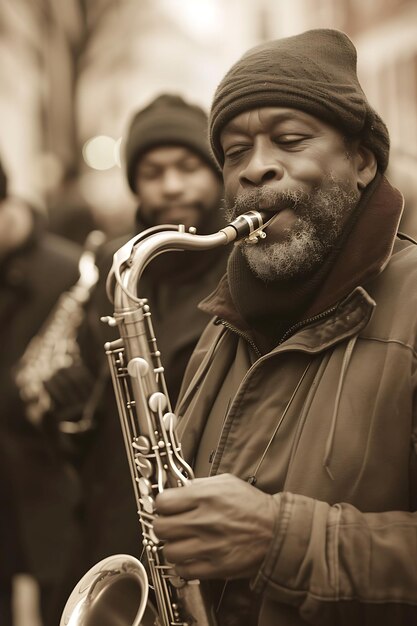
{"type": "Point", "coordinates": [196, 569]}
{"type": "Point", "coordinates": [186, 550]}
{"type": "Point", "coordinates": [186, 524]}
{"type": "Point", "coordinates": [175, 501]}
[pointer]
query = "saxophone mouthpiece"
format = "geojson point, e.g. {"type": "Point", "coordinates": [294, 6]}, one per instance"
{"type": "Point", "coordinates": [248, 226]}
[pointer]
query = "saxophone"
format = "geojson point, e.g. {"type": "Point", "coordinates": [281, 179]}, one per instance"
{"type": "Point", "coordinates": [55, 345]}
{"type": "Point", "coordinates": [115, 591]}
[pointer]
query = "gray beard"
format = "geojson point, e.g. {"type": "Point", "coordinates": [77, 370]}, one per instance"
{"type": "Point", "coordinates": [321, 217]}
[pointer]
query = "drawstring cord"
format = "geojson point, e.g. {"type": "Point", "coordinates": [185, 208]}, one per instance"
{"type": "Point", "coordinates": [330, 439]}
{"type": "Point", "coordinates": [281, 419]}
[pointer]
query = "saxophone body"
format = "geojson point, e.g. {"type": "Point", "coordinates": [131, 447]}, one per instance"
{"type": "Point", "coordinates": [55, 345]}
{"type": "Point", "coordinates": [115, 591]}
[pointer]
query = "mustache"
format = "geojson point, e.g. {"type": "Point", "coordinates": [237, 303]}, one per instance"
{"type": "Point", "coordinates": [267, 199]}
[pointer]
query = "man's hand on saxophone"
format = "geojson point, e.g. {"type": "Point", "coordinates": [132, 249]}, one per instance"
{"type": "Point", "coordinates": [217, 527]}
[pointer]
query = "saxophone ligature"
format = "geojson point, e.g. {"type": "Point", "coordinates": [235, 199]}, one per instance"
{"type": "Point", "coordinates": [115, 591]}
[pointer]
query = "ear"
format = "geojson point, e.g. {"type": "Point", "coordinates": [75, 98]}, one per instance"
{"type": "Point", "coordinates": [366, 167]}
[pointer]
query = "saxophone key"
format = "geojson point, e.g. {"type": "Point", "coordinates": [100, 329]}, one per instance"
{"type": "Point", "coordinates": [109, 320]}
{"type": "Point", "coordinates": [170, 421]}
{"type": "Point", "coordinates": [144, 465]}
{"type": "Point", "coordinates": [145, 486]}
{"type": "Point", "coordinates": [142, 444]}
{"type": "Point", "coordinates": [157, 402]}
{"type": "Point", "coordinates": [146, 519]}
{"type": "Point", "coordinates": [148, 503]}
{"type": "Point", "coordinates": [137, 367]}
{"type": "Point", "coordinates": [153, 537]}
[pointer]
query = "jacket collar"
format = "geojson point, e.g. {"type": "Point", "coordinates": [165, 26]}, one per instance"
{"type": "Point", "coordinates": [364, 255]}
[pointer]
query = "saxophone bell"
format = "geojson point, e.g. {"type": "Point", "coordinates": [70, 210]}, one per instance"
{"type": "Point", "coordinates": [114, 591]}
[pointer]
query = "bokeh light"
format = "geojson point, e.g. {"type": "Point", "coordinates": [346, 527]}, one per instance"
{"type": "Point", "coordinates": [117, 152]}
{"type": "Point", "coordinates": [201, 18]}
{"type": "Point", "coordinates": [100, 152]}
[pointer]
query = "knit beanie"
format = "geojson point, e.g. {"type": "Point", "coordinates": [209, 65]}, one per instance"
{"type": "Point", "coordinates": [167, 120]}
{"type": "Point", "coordinates": [3, 183]}
{"type": "Point", "coordinates": [314, 72]}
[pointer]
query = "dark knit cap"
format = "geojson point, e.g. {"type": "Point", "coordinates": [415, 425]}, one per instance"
{"type": "Point", "coordinates": [314, 72]}
{"type": "Point", "coordinates": [3, 183]}
{"type": "Point", "coordinates": [167, 120]}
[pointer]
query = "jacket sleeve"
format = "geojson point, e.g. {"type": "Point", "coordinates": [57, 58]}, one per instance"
{"type": "Point", "coordinates": [337, 565]}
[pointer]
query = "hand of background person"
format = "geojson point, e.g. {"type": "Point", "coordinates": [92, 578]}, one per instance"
{"type": "Point", "coordinates": [217, 527]}
{"type": "Point", "coordinates": [69, 389]}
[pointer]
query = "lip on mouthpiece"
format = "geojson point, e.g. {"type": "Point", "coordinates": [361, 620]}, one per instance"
{"type": "Point", "coordinates": [248, 223]}
{"type": "Point", "coordinates": [248, 226]}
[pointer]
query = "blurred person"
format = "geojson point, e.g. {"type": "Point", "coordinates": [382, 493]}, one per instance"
{"type": "Point", "coordinates": [302, 426]}
{"type": "Point", "coordinates": [74, 222]}
{"type": "Point", "coordinates": [69, 214]}
{"type": "Point", "coordinates": [37, 490]}
{"type": "Point", "coordinates": [170, 169]}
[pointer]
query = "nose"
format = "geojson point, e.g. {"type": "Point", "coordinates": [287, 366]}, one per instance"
{"type": "Point", "coordinates": [172, 183]}
{"type": "Point", "coordinates": [262, 167]}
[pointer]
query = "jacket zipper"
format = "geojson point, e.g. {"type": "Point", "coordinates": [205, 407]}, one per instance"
{"type": "Point", "coordinates": [241, 334]}
{"type": "Point", "coordinates": [287, 333]}
{"type": "Point", "coordinates": [306, 322]}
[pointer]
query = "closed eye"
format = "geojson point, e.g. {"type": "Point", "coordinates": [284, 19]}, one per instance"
{"type": "Point", "coordinates": [290, 141]}
{"type": "Point", "coordinates": [149, 173]}
{"type": "Point", "coordinates": [234, 152]}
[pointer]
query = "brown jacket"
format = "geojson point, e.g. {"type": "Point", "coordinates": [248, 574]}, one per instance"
{"type": "Point", "coordinates": [336, 404]}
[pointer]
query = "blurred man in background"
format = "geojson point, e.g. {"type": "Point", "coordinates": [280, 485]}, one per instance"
{"type": "Point", "coordinates": [170, 170]}
{"type": "Point", "coordinates": [37, 489]}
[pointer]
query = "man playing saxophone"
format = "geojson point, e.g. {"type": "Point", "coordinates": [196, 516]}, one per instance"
{"type": "Point", "coordinates": [298, 406]}
{"type": "Point", "coordinates": [171, 172]}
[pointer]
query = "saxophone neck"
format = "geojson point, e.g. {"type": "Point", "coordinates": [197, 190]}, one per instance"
{"type": "Point", "coordinates": [130, 261]}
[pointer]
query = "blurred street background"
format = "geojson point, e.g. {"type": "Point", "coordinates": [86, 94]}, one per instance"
{"type": "Point", "coordinates": [73, 72]}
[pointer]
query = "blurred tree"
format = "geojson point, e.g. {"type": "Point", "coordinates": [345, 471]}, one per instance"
{"type": "Point", "coordinates": [72, 69]}
{"type": "Point", "coordinates": [46, 46]}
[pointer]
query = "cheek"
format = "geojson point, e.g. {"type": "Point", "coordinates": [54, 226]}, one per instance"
{"type": "Point", "coordinates": [319, 164]}
{"type": "Point", "coordinates": [148, 193]}
{"type": "Point", "coordinates": [204, 187]}
{"type": "Point", "coordinates": [308, 169]}
{"type": "Point", "coordinates": [231, 186]}
{"type": "Point", "coordinates": [229, 197]}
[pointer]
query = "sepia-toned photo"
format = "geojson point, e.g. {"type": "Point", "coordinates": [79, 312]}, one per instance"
{"type": "Point", "coordinates": [208, 309]}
